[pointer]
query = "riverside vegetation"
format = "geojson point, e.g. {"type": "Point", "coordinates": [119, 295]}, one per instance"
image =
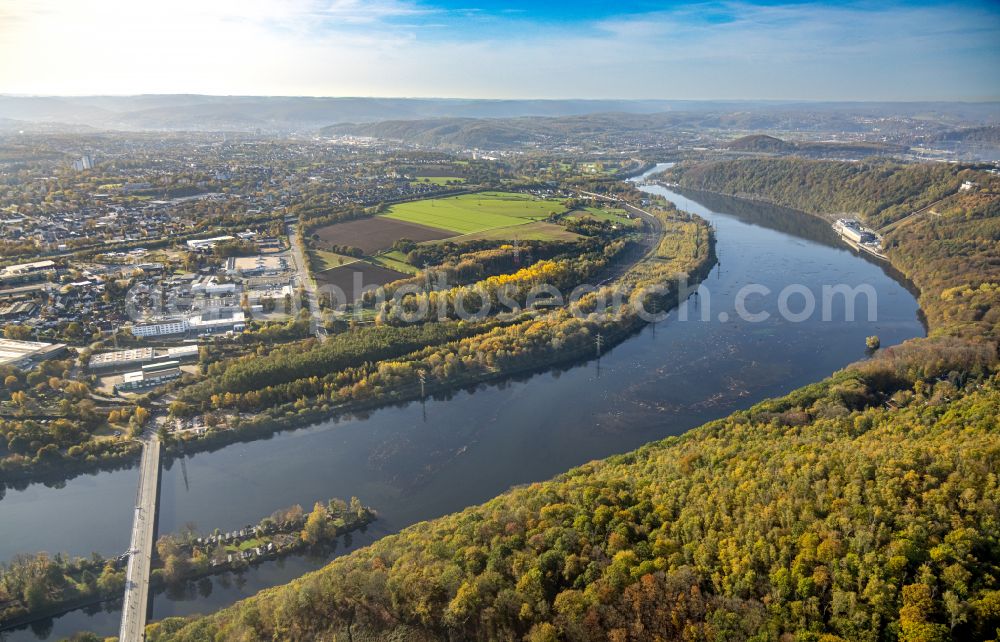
{"type": "Point", "coordinates": [862, 507]}
{"type": "Point", "coordinates": [38, 585]}
{"type": "Point", "coordinates": [272, 376]}
{"type": "Point", "coordinates": [384, 362]}
{"type": "Point", "coordinates": [50, 420]}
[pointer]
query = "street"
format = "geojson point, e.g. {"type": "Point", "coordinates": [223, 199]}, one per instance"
{"type": "Point", "coordinates": [304, 279]}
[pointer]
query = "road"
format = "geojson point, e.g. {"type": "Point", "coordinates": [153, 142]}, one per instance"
{"type": "Point", "coordinates": [906, 219]}
{"type": "Point", "coordinates": [304, 278]}
{"type": "Point", "coordinates": [654, 232]}
{"type": "Point", "coordinates": [136, 603]}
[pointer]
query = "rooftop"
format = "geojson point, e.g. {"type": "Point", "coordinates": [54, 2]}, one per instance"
{"type": "Point", "coordinates": [17, 353]}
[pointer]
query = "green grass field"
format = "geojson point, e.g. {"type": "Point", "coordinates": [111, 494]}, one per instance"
{"type": "Point", "coordinates": [324, 260]}
{"type": "Point", "coordinates": [471, 213]}
{"type": "Point", "coordinates": [610, 214]}
{"type": "Point", "coordinates": [438, 180]}
{"type": "Point", "coordinates": [395, 260]}
{"type": "Point", "coordinates": [537, 231]}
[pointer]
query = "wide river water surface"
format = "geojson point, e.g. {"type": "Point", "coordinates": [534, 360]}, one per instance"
{"type": "Point", "coordinates": [422, 460]}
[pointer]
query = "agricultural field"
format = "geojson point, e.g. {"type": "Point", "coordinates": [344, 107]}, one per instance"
{"type": "Point", "coordinates": [324, 260]}
{"type": "Point", "coordinates": [344, 277]}
{"type": "Point", "coordinates": [472, 213]}
{"type": "Point", "coordinates": [494, 216]}
{"type": "Point", "coordinates": [376, 234]}
{"type": "Point", "coordinates": [537, 231]}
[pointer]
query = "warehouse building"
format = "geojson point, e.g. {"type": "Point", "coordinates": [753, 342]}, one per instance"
{"type": "Point", "coordinates": [25, 354]}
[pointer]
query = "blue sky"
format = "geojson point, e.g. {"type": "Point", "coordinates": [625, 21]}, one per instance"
{"type": "Point", "coordinates": [928, 50]}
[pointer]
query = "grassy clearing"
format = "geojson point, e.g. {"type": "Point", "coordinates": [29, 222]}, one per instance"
{"type": "Point", "coordinates": [438, 180]}
{"type": "Point", "coordinates": [325, 260]}
{"type": "Point", "coordinates": [537, 231]}
{"type": "Point", "coordinates": [244, 545]}
{"type": "Point", "coordinates": [471, 213]}
{"type": "Point", "coordinates": [610, 214]}
{"type": "Point", "coordinates": [395, 260]}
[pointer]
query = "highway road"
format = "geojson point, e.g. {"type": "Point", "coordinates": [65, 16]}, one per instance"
{"type": "Point", "coordinates": [136, 603]}
{"type": "Point", "coordinates": [304, 278]}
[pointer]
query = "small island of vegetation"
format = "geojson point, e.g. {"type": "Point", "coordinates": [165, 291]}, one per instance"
{"type": "Point", "coordinates": [36, 586]}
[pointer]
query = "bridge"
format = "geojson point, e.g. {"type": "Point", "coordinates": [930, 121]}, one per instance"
{"type": "Point", "coordinates": [135, 607]}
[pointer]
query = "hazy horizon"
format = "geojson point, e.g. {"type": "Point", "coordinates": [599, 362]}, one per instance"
{"type": "Point", "coordinates": [777, 101]}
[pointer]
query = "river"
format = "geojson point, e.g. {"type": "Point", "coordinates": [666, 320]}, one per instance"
{"type": "Point", "coordinates": [421, 460]}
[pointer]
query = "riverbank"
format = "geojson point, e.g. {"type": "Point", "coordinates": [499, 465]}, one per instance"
{"type": "Point", "coordinates": [418, 461]}
{"type": "Point", "coordinates": [656, 268]}
{"type": "Point", "coordinates": [39, 587]}
{"type": "Point", "coordinates": [768, 519]}
{"type": "Point", "coordinates": [66, 468]}
{"type": "Point", "coordinates": [294, 415]}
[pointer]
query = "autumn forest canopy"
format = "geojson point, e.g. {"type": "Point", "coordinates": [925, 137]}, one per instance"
{"type": "Point", "coordinates": [862, 507]}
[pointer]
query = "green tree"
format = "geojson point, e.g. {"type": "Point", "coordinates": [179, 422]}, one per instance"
{"type": "Point", "coordinates": [17, 332]}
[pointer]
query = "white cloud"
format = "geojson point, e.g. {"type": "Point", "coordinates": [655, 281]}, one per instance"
{"type": "Point", "coordinates": [388, 47]}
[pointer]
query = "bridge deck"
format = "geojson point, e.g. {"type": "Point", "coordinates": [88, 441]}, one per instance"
{"type": "Point", "coordinates": [136, 603]}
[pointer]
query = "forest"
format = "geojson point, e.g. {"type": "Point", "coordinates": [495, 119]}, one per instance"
{"type": "Point", "coordinates": [880, 191]}
{"type": "Point", "coordinates": [950, 253]}
{"type": "Point", "coordinates": [49, 421]}
{"type": "Point", "coordinates": [863, 507]}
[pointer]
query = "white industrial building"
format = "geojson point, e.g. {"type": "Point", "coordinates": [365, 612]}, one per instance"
{"type": "Point", "coordinates": [163, 328]}
{"type": "Point", "coordinates": [211, 287]}
{"type": "Point", "coordinates": [207, 244]}
{"type": "Point", "coordinates": [151, 375]}
{"type": "Point", "coordinates": [23, 354]}
{"type": "Point", "coordinates": [215, 321]}
{"type": "Point", "coordinates": [121, 359]}
{"type": "Point", "coordinates": [138, 357]}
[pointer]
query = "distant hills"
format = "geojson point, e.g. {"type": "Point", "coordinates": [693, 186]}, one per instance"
{"type": "Point", "coordinates": [974, 135]}
{"type": "Point", "coordinates": [247, 113]}
{"type": "Point", "coordinates": [760, 143]}
{"type": "Point", "coordinates": [497, 133]}
{"type": "Point", "coordinates": [621, 129]}
{"type": "Point", "coordinates": [176, 112]}
{"type": "Point", "coordinates": [763, 144]}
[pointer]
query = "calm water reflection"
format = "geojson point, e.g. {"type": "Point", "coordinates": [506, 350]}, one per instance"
{"type": "Point", "coordinates": [420, 461]}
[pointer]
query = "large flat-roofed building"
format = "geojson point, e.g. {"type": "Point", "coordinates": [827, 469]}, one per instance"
{"type": "Point", "coordinates": [207, 244]}
{"type": "Point", "coordinates": [24, 272]}
{"type": "Point", "coordinates": [218, 321]}
{"type": "Point", "coordinates": [140, 357]}
{"type": "Point", "coordinates": [211, 321]}
{"type": "Point", "coordinates": [162, 328]}
{"type": "Point", "coordinates": [121, 359]}
{"type": "Point", "coordinates": [152, 374]}
{"type": "Point", "coordinates": [179, 353]}
{"type": "Point", "coordinates": [23, 354]}
{"type": "Point", "coordinates": [259, 265]}
{"type": "Point", "coordinates": [211, 288]}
